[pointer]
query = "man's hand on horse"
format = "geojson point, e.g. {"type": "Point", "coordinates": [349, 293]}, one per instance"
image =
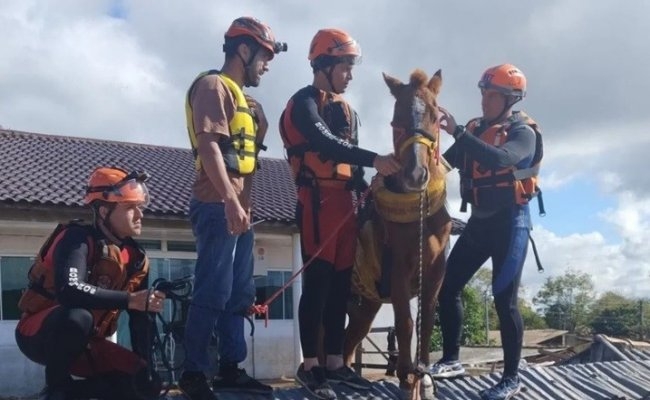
{"type": "Point", "coordinates": [386, 165]}
{"type": "Point", "coordinates": [447, 121]}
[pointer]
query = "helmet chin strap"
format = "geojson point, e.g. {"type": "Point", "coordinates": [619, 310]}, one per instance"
{"type": "Point", "coordinates": [328, 75]}
{"type": "Point", "coordinates": [247, 65]}
{"type": "Point", "coordinates": [105, 226]}
{"type": "Point", "coordinates": [507, 106]}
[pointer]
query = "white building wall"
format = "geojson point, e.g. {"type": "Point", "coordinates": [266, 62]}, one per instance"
{"type": "Point", "coordinates": [272, 351]}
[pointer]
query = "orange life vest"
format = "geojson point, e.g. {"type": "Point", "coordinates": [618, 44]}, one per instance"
{"type": "Point", "coordinates": [492, 188]}
{"type": "Point", "coordinates": [308, 166]}
{"type": "Point", "coordinates": [109, 270]}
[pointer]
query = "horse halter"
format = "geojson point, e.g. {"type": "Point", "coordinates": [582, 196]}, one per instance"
{"type": "Point", "coordinates": [415, 133]}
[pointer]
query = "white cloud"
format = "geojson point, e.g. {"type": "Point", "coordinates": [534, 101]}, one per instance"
{"type": "Point", "coordinates": [621, 267]}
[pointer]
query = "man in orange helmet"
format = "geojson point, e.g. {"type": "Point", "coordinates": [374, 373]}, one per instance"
{"type": "Point", "coordinates": [498, 158]}
{"type": "Point", "coordinates": [319, 131]}
{"type": "Point", "coordinates": [83, 276]}
{"type": "Point", "coordinates": [226, 130]}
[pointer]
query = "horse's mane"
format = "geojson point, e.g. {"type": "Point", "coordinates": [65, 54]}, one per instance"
{"type": "Point", "coordinates": [418, 82]}
{"type": "Point", "coordinates": [418, 78]}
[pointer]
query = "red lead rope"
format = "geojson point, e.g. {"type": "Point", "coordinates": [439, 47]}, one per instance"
{"type": "Point", "coordinates": [260, 309]}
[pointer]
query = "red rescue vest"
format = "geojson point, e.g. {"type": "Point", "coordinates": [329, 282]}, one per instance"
{"type": "Point", "coordinates": [492, 188]}
{"type": "Point", "coordinates": [307, 165]}
{"type": "Point", "coordinates": [111, 268]}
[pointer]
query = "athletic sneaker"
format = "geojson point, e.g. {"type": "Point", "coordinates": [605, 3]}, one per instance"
{"type": "Point", "coordinates": [447, 369]}
{"type": "Point", "coordinates": [347, 376]}
{"type": "Point", "coordinates": [504, 390]}
{"type": "Point", "coordinates": [195, 385]}
{"type": "Point", "coordinates": [237, 380]}
{"type": "Point", "coordinates": [315, 381]}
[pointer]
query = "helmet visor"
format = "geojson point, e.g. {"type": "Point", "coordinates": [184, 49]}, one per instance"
{"type": "Point", "coordinates": [347, 48]}
{"type": "Point", "coordinates": [131, 189]}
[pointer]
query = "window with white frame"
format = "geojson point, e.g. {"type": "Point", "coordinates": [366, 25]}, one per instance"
{"type": "Point", "coordinates": [266, 286]}
{"type": "Point", "coordinates": [168, 269]}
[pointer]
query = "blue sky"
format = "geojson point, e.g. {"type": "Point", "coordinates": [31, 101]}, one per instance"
{"type": "Point", "coordinates": [119, 69]}
{"type": "Point", "coordinates": [118, 9]}
{"type": "Point", "coordinates": [576, 208]}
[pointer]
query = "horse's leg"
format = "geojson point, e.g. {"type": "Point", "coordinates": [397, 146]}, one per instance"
{"type": "Point", "coordinates": [400, 296]}
{"type": "Point", "coordinates": [361, 314]}
{"type": "Point", "coordinates": [431, 286]}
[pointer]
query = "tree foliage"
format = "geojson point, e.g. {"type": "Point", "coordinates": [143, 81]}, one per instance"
{"type": "Point", "coordinates": [615, 315]}
{"type": "Point", "coordinates": [565, 301]}
{"type": "Point", "coordinates": [473, 331]}
{"type": "Point", "coordinates": [532, 320]}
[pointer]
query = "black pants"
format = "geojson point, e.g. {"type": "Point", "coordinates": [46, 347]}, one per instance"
{"type": "Point", "coordinates": [503, 237]}
{"type": "Point", "coordinates": [323, 302]}
{"type": "Point", "coordinates": [63, 339]}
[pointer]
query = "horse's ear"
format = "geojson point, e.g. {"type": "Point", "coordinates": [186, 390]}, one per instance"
{"type": "Point", "coordinates": [394, 84]}
{"type": "Point", "coordinates": [435, 82]}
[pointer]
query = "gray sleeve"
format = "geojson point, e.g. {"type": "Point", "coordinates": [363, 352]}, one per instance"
{"type": "Point", "coordinates": [519, 145]}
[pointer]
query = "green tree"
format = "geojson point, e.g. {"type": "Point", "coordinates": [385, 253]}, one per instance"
{"type": "Point", "coordinates": [474, 325]}
{"type": "Point", "coordinates": [616, 315]}
{"type": "Point", "coordinates": [482, 282]}
{"type": "Point", "coordinates": [565, 301]}
{"type": "Point", "coordinates": [644, 319]}
{"type": "Point", "coordinates": [473, 332]}
{"type": "Point", "coordinates": [532, 320]}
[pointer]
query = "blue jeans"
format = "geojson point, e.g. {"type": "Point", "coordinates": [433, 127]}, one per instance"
{"type": "Point", "coordinates": [223, 288]}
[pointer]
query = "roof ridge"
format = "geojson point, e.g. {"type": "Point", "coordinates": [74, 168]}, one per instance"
{"type": "Point", "coordinates": [82, 139]}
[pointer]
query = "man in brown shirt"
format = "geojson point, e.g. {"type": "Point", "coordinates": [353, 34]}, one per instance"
{"type": "Point", "coordinates": [226, 129]}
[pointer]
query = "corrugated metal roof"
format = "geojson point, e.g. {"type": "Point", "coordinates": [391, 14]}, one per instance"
{"type": "Point", "coordinates": [604, 348]}
{"type": "Point", "coordinates": [603, 380]}
{"type": "Point", "coordinates": [622, 380]}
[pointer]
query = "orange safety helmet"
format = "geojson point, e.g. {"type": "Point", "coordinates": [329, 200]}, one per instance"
{"type": "Point", "coordinates": [254, 28]}
{"type": "Point", "coordinates": [506, 79]}
{"type": "Point", "coordinates": [115, 185]}
{"type": "Point", "coordinates": [332, 45]}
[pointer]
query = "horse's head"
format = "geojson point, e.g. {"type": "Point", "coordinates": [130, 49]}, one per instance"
{"type": "Point", "coordinates": [415, 129]}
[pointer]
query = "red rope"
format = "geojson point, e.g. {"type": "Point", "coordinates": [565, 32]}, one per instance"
{"type": "Point", "coordinates": [263, 309]}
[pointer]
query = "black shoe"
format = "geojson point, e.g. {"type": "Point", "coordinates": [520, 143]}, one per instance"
{"type": "Point", "coordinates": [315, 381]}
{"type": "Point", "coordinates": [195, 386]}
{"type": "Point", "coordinates": [507, 388]}
{"type": "Point", "coordinates": [237, 380]}
{"type": "Point", "coordinates": [347, 376]}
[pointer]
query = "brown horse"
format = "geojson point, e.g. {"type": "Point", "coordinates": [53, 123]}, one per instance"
{"type": "Point", "coordinates": [411, 223]}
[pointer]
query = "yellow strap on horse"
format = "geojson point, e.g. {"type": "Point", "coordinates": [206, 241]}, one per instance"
{"type": "Point", "coordinates": [405, 207]}
{"type": "Point", "coordinates": [417, 139]}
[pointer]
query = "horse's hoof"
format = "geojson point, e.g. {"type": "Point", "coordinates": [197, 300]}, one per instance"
{"type": "Point", "coordinates": [427, 391]}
